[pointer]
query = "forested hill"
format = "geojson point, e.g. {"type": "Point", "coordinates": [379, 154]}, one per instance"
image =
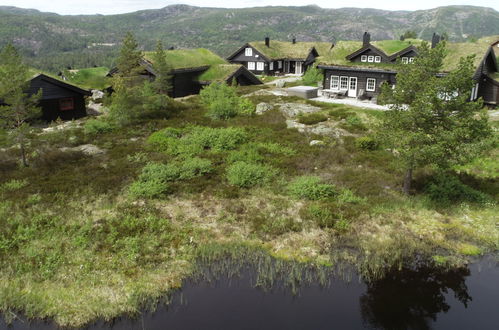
{"type": "Point", "coordinates": [52, 41]}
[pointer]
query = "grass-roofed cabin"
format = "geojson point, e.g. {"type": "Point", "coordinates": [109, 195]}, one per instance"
{"type": "Point", "coordinates": [59, 99]}
{"type": "Point", "coordinates": [358, 68]}
{"type": "Point", "coordinates": [277, 57]}
{"type": "Point", "coordinates": [194, 68]}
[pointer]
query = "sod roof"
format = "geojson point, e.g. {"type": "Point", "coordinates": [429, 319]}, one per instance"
{"type": "Point", "coordinates": [188, 58]}
{"type": "Point", "coordinates": [219, 72]}
{"type": "Point", "coordinates": [286, 49]}
{"type": "Point", "coordinates": [337, 56]}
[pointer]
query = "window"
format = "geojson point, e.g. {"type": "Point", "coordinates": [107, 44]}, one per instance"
{"type": "Point", "coordinates": [251, 65]}
{"type": "Point", "coordinates": [370, 58]}
{"type": "Point", "coordinates": [363, 58]}
{"type": "Point", "coordinates": [405, 60]}
{"type": "Point", "coordinates": [248, 51]}
{"type": "Point", "coordinates": [259, 66]}
{"type": "Point", "coordinates": [343, 82]}
{"type": "Point", "coordinates": [335, 82]}
{"type": "Point", "coordinates": [279, 64]}
{"type": "Point", "coordinates": [377, 59]}
{"type": "Point", "coordinates": [271, 66]}
{"type": "Point", "coordinates": [371, 85]}
{"type": "Point", "coordinates": [66, 104]}
{"type": "Point", "coordinates": [411, 59]}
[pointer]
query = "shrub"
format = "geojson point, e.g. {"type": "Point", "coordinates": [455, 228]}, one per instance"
{"type": "Point", "coordinates": [96, 126]}
{"type": "Point", "coordinates": [246, 175]}
{"type": "Point", "coordinates": [347, 196]}
{"type": "Point", "coordinates": [353, 123]}
{"type": "Point", "coordinates": [13, 185]}
{"type": "Point", "coordinates": [310, 187]}
{"type": "Point", "coordinates": [159, 172]}
{"type": "Point", "coordinates": [447, 189]}
{"type": "Point", "coordinates": [194, 140]}
{"type": "Point", "coordinates": [366, 143]}
{"type": "Point", "coordinates": [194, 167]}
{"type": "Point", "coordinates": [312, 118]}
{"type": "Point", "coordinates": [148, 189]}
{"type": "Point", "coordinates": [312, 76]}
{"type": "Point", "coordinates": [223, 103]}
{"type": "Point", "coordinates": [278, 226]}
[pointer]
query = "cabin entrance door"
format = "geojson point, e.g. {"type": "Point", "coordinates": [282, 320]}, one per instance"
{"type": "Point", "coordinates": [352, 87]}
{"type": "Point", "coordinates": [298, 68]}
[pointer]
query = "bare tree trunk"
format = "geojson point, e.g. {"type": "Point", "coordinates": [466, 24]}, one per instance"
{"type": "Point", "coordinates": [407, 181]}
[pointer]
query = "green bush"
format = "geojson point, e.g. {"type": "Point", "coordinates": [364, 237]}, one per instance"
{"type": "Point", "coordinates": [353, 123]}
{"type": "Point", "coordinates": [446, 189]}
{"type": "Point", "coordinates": [148, 189]}
{"type": "Point", "coordinates": [194, 167]}
{"type": "Point", "coordinates": [196, 139]}
{"type": "Point", "coordinates": [223, 102]}
{"type": "Point", "coordinates": [310, 187]}
{"type": "Point", "coordinates": [312, 118]}
{"type": "Point", "coordinates": [246, 175]}
{"type": "Point", "coordinates": [13, 185]}
{"type": "Point", "coordinates": [96, 126]}
{"type": "Point", "coordinates": [160, 172]}
{"type": "Point", "coordinates": [366, 143]}
{"type": "Point", "coordinates": [312, 76]}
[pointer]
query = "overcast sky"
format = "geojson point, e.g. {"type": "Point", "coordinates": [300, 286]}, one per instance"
{"type": "Point", "coordinates": [75, 7]}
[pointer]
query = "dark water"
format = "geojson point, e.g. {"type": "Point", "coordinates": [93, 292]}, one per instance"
{"type": "Point", "coordinates": [421, 298]}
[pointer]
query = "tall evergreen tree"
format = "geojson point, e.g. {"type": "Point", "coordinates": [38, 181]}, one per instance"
{"type": "Point", "coordinates": [17, 105]}
{"type": "Point", "coordinates": [131, 58]}
{"type": "Point", "coordinates": [163, 70]}
{"type": "Point", "coordinates": [431, 121]}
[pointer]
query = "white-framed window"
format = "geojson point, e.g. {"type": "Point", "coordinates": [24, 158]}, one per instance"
{"type": "Point", "coordinates": [251, 65]}
{"type": "Point", "coordinates": [363, 58]}
{"type": "Point", "coordinates": [271, 66]}
{"type": "Point", "coordinates": [405, 60]}
{"type": "Point", "coordinates": [335, 82]}
{"type": "Point", "coordinates": [411, 59]}
{"type": "Point", "coordinates": [248, 51]}
{"type": "Point", "coordinates": [259, 66]}
{"type": "Point", "coordinates": [343, 82]}
{"type": "Point", "coordinates": [279, 64]}
{"type": "Point", "coordinates": [370, 58]}
{"type": "Point", "coordinates": [377, 59]}
{"type": "Point", "coordinates": [371, 85]}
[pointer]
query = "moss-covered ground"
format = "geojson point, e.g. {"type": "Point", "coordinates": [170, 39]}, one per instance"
{"type": "Point", "coordinates": [76, 245]}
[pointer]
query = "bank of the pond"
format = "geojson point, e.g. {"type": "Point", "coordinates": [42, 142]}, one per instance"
{"type": "Point", "coordinates": [418, 298]}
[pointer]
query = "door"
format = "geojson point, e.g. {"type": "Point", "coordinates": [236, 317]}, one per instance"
{"type": "Point", "coordinates": [352, 87]}
{"type": "Point", "coordinates": [298, 69]}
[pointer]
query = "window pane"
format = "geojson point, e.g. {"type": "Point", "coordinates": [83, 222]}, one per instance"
{"type": "Point", "coordinates": [66, 104]}
{"type": "Point", "coordinates": [249, 52]}
{"type": "Point", "coordinates": [370, 58]}
{"type": "Point", "coordinates": [343, 82]}
{"type": "Point", "coordinates": [251, 65]}
{"type": "Point", "coordinates": [259, 66]}
{"type": "Point", "coordinates": [335, 80]}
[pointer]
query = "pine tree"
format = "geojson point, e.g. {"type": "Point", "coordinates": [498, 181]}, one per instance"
{"type": "Point", "coordinates": [431, 121]}
{"type": "Point", "coordinates": [130, 60]}
{"type": "Point", "coordinates": [163, 69]}
{"type": "Point", "coordinates": [17, 105]}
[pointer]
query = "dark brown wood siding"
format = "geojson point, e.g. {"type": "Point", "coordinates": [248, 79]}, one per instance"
{"type": "Point", "coordinates": [185, 83]}
{"type": "Point", "coordinates": [488, 90]}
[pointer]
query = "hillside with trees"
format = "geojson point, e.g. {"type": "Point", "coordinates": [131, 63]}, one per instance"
{"type": "Point", "coordinates": [52, 41]}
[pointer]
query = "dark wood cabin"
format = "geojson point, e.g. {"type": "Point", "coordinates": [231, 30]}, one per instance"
{"type": "Point", "coordinates": [195, 68]}
{"type": "Point", "coordinates": [275, 57]}
{"type": "Point", "coordinates": [361, 73]}
{"type": "Point", "coordinates": [59, 99]}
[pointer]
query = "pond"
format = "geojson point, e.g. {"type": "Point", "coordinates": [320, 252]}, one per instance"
{"type": "Point", "coordinates": [421, 298]}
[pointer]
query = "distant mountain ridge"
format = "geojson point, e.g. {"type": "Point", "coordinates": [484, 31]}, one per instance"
{"type": "Point", "coordinates": [52, 39]}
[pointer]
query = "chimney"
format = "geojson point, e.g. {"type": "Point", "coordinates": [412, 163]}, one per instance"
{"type": "Point", "coordinates": [435, 39]}
{"type": "Point", "coordinates": [267, 41]}
{"type": "Point", "coordinates": [366, 39]}
{"type": "Point", "coordinates": [294, 40]}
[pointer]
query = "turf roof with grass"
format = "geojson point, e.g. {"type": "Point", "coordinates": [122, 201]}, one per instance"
{"type": "Point", "coordinates": [219, 72]}
{"type": "Point", "coordinates": [188, 58]}
{"type": "Point", "coordinates": [337, 55]}
{"type": "Point", "coordinates": [287, 50]}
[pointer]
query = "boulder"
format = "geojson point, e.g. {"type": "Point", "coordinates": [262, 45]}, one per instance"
{"type": "Point", "coordinates": [317, 143]}
{"type": "Point", "coordinates": [87, 149]}
{"type": "Point", "coordinates": [263, 107]}
{"type": "Point", "coordinates": [280, 83]}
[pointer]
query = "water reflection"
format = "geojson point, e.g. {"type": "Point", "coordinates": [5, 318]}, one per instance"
{"type": "Point", "coordinates": [412, 298]}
